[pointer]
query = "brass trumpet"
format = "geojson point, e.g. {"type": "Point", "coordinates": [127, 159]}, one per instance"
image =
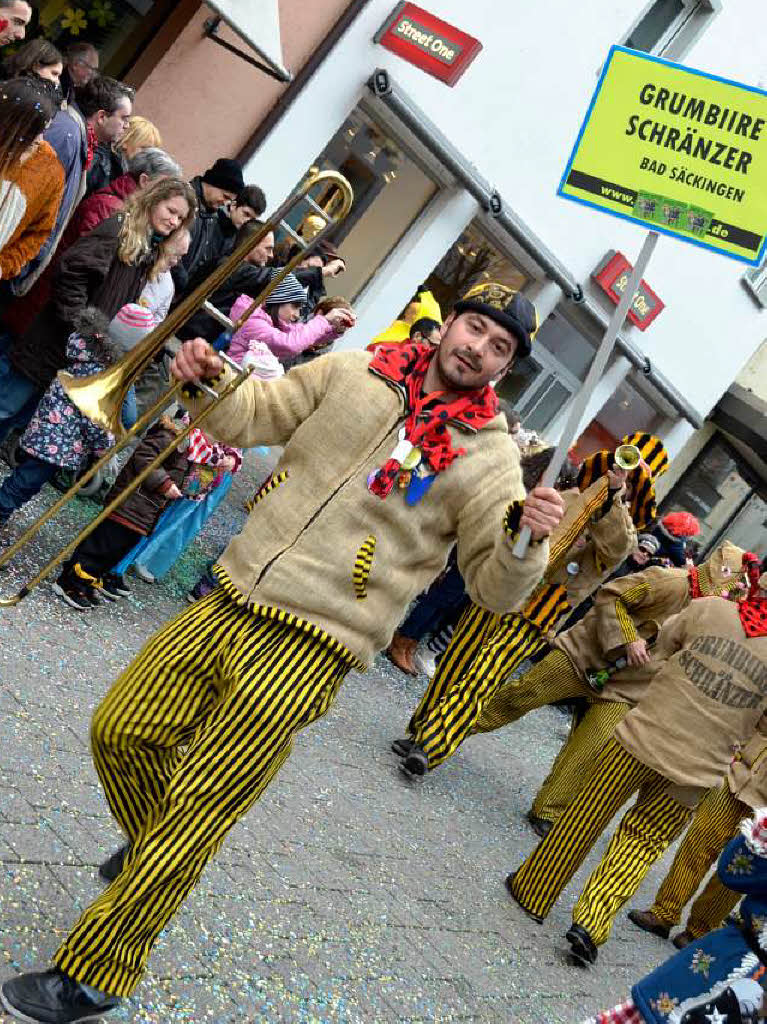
{"type": "Point", "coordinates": [101, 396]}
{"type": "Point", "coordinates": [627, 456]}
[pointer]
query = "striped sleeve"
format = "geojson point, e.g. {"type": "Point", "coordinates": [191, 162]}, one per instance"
{"type": "Point", "coordinates": [629, 599]}
{"type": "Point", "coordinates": [576, 519]}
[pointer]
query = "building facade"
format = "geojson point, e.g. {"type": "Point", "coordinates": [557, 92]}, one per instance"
{"type": "Point", "coordinates": [431, 164]}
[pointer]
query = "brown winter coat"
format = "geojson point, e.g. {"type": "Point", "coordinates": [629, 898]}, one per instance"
{"type": "Point", "coordinates": [705, 700]}
{"type": "Point", "coordinates": [321, 547]}
{"type": "Point", "coordinates": [90, 273]}
{"type": "Point", "coordinates": [143, 507]}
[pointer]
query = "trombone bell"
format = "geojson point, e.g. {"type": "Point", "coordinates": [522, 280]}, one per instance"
{"type": "Point", "coordinates": [100, 397]}
{"type": "Point", "coordinates": [627, 456]}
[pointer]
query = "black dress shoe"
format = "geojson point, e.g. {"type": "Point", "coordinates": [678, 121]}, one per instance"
{"type": "Point", "coordinates": [52, 997]}
{"type": "Point", "coordinates": [541, 826]}
{"type": "Point", "coordinates": [582, 947]}
{"type": "Point", "coordinates": [113, 865]}
{"type": "Point", "coordinates": [509, 884]}
{"type": "Point", "coordinates": [725, 1008]}
{"type": "Point", "coordinates": [403, 746]}
{"type": "Point", "coordinates": [416, 763]}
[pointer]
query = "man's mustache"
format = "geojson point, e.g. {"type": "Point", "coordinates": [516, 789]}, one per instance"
{"type": "Point", "coordinates": [468, 357]}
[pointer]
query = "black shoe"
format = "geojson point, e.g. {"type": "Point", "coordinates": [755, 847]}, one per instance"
{"type": "Point", "coordinates": [416, 763]}
{"type": "Point", "coordinates": [114, 586]}
{"type": "Point", "coordinates": [113, 865]}
{"type": "Point", "coordinates": [725, 1008]}
{"type": "Point", "coordinates": [52, 997]}
{"type": "Point", "coordinates": [403, 747]}
{"type": "Point", "coordinates": [509, 882]}
{"type": "Point", "coordinates": [582, 947]}
{"type": "Point", "coordinates": [75, 595]}
{"type": "Point", "coordinates": [541, 826]}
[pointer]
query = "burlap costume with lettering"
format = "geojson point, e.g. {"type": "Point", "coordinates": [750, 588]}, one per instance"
{"type": "Point", "coordinates": [705, 703]}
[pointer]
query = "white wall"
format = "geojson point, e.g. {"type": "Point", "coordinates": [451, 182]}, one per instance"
{"type": "Point", "coordinates": [515, 115]}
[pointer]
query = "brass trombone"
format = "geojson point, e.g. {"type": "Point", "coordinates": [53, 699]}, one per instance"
{"type": "Point", "coordinates": [101, 396]}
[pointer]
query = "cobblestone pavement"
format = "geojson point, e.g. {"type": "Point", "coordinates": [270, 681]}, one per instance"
{"type": "Point", "coordinates": [348, 894]}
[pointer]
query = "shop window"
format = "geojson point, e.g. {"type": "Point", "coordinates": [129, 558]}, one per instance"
{"type": "Point", "coordinates": [669, 28]}
{"type": "Point", "coordinates": [119, 29]}
{"type": "Point", "coordinates": [390, 191]}
{"type": "Point", "coordinates": [469, 261]}
{"type": "Point", "coordinates": [721, 491]}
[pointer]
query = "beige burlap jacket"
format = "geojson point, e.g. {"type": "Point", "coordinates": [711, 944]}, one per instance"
{"type": "Point", "coordinates": [704, 702]}
{"type": "Point", "coordinates": [327, 553]}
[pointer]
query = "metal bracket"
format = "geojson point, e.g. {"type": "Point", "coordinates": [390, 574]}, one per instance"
{"type": "Point", "coordinates": [211, 31]}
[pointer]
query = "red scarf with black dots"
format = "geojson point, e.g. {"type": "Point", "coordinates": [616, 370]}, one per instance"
{"type": "Point", "coordinates": [753, 611]}
{"type": "Point", "coordinates": [428, 415]}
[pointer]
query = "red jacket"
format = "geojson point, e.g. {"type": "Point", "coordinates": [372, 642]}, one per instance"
{"type": "Point", "coordinates": [97, 207]}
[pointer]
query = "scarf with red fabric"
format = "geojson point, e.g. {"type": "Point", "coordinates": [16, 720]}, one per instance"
{"type": "Point", "coordinates": [91, 142]}
{"type": "Point", "coordinates": [428, 415]}
{"type": "Point", "coordinates": [753, 611]}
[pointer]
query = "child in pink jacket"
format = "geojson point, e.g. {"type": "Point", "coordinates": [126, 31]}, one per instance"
{"type": "Point", "coordinates": [277, 326]}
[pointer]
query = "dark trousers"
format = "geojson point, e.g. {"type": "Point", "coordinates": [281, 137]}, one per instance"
{"type": "Point", "coordinates": [440, 605]}
{"type": "Point", "coordinates": [101, 550]}
{"type": "Point", "coordinates": [23, 483]}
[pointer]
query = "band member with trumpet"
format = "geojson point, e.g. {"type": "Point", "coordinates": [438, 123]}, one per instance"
{"type": "Point", "coordinates": [706, 699]}
{"type": "Point", "coordinates": [371, 493]}
{"type": "Point", "coordinates": [606, 659]}
{"type": "Point", "coordinates": [595, 535]}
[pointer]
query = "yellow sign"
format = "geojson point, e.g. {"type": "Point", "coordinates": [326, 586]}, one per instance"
{"type": "Point", "coordinates": [678, 150]}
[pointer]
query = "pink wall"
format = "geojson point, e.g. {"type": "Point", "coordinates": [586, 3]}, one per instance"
{"type": "Point", "coordinates": [207, 102]}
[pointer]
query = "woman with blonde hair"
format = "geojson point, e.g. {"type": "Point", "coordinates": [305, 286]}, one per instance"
{"type": "Point", "coordinates": [140, 134]}
{"type": "Point", "coordinates": [106, 268]}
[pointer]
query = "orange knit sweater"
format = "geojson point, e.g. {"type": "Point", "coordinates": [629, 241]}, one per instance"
{"type": "Point", "coordinates": [30, 194]}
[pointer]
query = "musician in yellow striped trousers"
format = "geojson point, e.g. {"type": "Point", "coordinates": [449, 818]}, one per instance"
{"type": "Point", "coordinates": [596, 535]}
{"type": "Point", "coordinates": [707, 696]}
{"type": "Point", "coordinates": [389, 460]}
{"type": "Point", "coordinates": [716, 821]}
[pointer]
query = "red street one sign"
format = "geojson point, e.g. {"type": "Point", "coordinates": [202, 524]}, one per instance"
{"type": "Point", "coordinates": [612, 276]}
{"type": "Point", "coordinates": [428, 42]}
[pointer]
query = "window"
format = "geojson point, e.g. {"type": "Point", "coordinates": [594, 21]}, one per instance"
{"type": "Point", "coordinates": [723, 493]}
{"type": "Point", "coordinates": [390, 191]}
{"type": "Point", "coordinates": [469, 261]}
{"type": "Point", "coordinates": [669, 28]}
{"type": "Point", "coordinates": [119, 29]}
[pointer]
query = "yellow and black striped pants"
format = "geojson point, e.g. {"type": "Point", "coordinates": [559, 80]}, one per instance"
{"type": "Point", "coordinates": [574, 764]}
{"type": "Point", "coordinates": [716, 821]}
{"type": "Point", "coordinates": [184, 743]}
{"type": "Point", "coordinates": [643, 835]}
{"type": "Point", "coordinates": [555, 678]}
{"type": "Point", "coordinates": [485, 648]}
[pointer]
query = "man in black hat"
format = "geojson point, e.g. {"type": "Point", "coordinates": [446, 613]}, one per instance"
{"type": "Point", "coordinates": [220, 184]}
{"type": "Point", "coordinates": [389, 460]}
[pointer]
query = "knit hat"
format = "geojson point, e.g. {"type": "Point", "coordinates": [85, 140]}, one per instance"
{"type": "Point", "coordinates": [288, 290]}
{"type": "Point", "coordinates": [226, 174]}
{"type": "Point", "coordinates": [131, 325]}
{"type": "Point", "coordinates": [507, 307]}
{"type": "Point", "coordinates": [653, 454]}
{"type": "Point", "coordinates": [646, 540]}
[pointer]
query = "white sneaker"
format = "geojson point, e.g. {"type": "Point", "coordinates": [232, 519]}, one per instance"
{"type": "Point", "coordinates": [144, 574]}
{"type": "Point", "coordinates": [426, 662]}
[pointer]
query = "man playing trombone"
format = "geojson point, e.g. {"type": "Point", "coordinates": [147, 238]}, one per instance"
{"type": "Point", "coordinates": [389, 460]}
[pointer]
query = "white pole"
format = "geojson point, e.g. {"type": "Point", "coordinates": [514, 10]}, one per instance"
{"type": "Point", "coordinates": [596, 370]}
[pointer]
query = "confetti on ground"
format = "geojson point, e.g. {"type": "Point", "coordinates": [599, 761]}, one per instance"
{"type": "Point", "coordinates": [348, 895]}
